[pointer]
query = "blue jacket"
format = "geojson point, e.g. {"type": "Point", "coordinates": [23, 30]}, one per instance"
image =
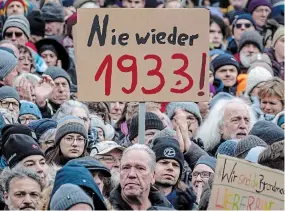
{"type": "Point", "coordinates": [79, 175]}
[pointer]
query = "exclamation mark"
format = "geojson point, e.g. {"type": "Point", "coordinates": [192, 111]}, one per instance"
{"type": "Point", "coordinates": [202, 74]}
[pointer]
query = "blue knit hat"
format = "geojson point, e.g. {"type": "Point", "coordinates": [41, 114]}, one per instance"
{"type": "Point", "coordinates": [207, 160]}
{"type": "Point", "coordinates": [244, 16]}
{"type": "Point", "coordinates": [227, 148]}
{"type": "Point", "coordinates": [224, 59]}
{"type": "Point", "coordinates": [191, 107]}
{"type": "Point", "coordinates": [220, 96]}
{"type": "Point", "coordinates": [41, 126]}
{"type": "Point", "coordinates": [30, 108]}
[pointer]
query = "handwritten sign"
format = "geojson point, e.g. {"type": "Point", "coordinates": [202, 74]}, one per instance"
{"type": "Point", "coordinates": [142, 54]}
{"type": "Point", "coordinates": [241, 185]}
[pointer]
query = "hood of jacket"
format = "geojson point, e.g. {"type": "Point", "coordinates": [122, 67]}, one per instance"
{"type": "Point", "coordinates": [155, 197]}
{"type": "Point", "coordinates": [79, 175]}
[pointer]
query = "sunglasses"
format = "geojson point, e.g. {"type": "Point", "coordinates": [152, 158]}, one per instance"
{"type": "Point", "coordinates": [10, 34]}
{"type": "Point", "coordinates": [246, 25]}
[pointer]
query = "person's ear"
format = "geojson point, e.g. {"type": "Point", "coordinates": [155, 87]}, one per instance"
{"type": "Point", "coordinates": [152, 178]}
{"type": "Point", "coordinates": [6, 197]}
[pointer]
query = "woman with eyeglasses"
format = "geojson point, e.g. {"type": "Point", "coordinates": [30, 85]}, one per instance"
{"type": "Point", "coordinates": [26, 60]}
{"type": "Point", "coordinates": [70, 141]}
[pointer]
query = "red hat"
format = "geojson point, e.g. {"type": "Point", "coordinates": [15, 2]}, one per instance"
{"type": "Point", "coordinates": [31, 46]}
{"type": "Point", "coordinates": [10, 1]}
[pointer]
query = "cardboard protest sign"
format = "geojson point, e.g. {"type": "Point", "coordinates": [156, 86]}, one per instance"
{"type": "Point", "coordinates": [142, 54]}
{"type": "Point", "coordinates": [241, 185]}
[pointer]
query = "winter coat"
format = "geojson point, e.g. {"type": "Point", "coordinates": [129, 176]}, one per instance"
{"type": "Point", "coordinates": [193, 154]}
{"type": "Point", "coordinates": [157, 200]}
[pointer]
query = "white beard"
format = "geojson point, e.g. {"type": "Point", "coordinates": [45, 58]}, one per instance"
{"type": "Point", "coordinates": [246, 60]}
{"type": "Point", "coordinates": [115, 178]}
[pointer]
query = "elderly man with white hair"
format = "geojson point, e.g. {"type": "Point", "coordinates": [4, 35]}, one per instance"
{"type": "Point", "coordinates": [228, 119]}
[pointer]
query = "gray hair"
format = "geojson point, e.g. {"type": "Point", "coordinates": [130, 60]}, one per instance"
{"type": "Point", "coordinates": [34, 79]}
{"type": "Point", "coordinates": [21, 173]}
{"type": "Point", "coordinates": [209, 131]}
{"type": "Point", "coordinates": [144, 148]}
{"type": "Point", "coordinates": [67, 107]}
{"type": "Point", "coordinates": [47, 135]}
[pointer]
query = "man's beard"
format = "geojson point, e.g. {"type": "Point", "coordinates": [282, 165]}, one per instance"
{"type": "Point", "coordinates": [115, 178]}
{"type": "Point", "coordinates": [11, 207]}
{"type": "Point", "coordinates": [246, 59]}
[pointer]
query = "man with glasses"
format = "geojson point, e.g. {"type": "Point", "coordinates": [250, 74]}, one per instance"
{"type": "Point", "coordinates": [202, 171]}
{"type": "Point", "coordinates": [29, 112]}
{"type": "Point", "coordinates": [241, 24]}
{"type": "Point", "coordinates": [22, 189]}
{"type": "Point", "coordinates": [17, 29]}
{"type": "Point", "coordinates": [109, 153]}
{"type": "Point", "coordinates": [10, 100]}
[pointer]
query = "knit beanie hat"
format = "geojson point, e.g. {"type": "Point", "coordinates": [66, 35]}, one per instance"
{"type": "Point", "coordinates": [243, 16]}
{"type": "Point", "coordinates": [19, 21]}
{"type": "Point", "coordinates": [253, 4]}
{"type": "Point", "coordinates": [11, 129]}
{"type": "Point", "coordinates": [227, 148]}
{"type": "Point", "coordinates": [247, 143]}
{"type": "Point", "coordinates": [273, 156]}
{"type": "Point", "coordinates": [278, 34]}
{"type": "Point", "coordinates": [23, 2]}
{"type": "Point", "coordinates": [251, 37]}
{"type": "Point", "coordinates": [41, 126]}
{"type": "Point", "coordinates": [267, 131]}
{"type": "Point", "coordinates": [9, 92]}
{"type": "Point", "coordinates": [7, 63]}
{"type": "Point", "coordinates": [280, 120]}
{"type": "Point", "coordinates": [152, 121]}
{"type": "Point", "coordinates": [216, 52]}
{"type": "Point", "coordinates": [18, 147]}
{"type": "Point", "coordinates": [224, 59]}
{"type": "Point", "coordinates": [69, 124]}
{"type": "Point", "coordinates": [255, 77]}
{"type": "Point", "coordinates": [57, 72]}
{"type": "Point", "coordinates": [69, 195]}
{"type": "Point", "coordinates": [30, 108]}
{"type": "Point", "coordinates": [37, 23]}
{"type": "Point", "coordinates": [166, 132]}
{"type": "Point", "coordinates": [261, 60]}
{"type": "Point", "coordinates": [220, 96]}
{"type": "Point", "coordinates": [53, 12]}
{"type": "Point", "coordinates": [168, 148]}
{"type": "Point", "coordinates": [190, 107]}
{"type": "Point", "coordinates": [207, 160]}
{"type": "Point", "coordinates": [253, 154]}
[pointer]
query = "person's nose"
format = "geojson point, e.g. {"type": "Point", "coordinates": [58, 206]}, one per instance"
{"type": "Point", "coordinates": [27, 199]}
{"type": "Point", "coordinates": [170, 168]}
{"type": "Point", "coordinates": [132, 173]}
{"type": "Point", "coordinates": [74, 144]}
{"type": "Point", "coordinates": [267, 107]}
{"type": "Point", "coordinates": [39, 168]}
{"type": "Point", "coordinates": [116, 164]}
{"type": "Point", "coordinates": [13, 37]}
{"type": "Point", "coordinates": [11, 107]}
{"type": "Point", "coordinates": [242, 124]}
{"type": "Point", "coordinates": [228, 73]}
{"type": "Point", "coordinates": [199, 178]}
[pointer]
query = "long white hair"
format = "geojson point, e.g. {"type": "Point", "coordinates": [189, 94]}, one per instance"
{"type": "Point", "coordinates": [209, 131]}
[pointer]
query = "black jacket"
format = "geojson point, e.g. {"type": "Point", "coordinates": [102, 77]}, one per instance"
{"type": "Point", "coordinates": [158, 201]}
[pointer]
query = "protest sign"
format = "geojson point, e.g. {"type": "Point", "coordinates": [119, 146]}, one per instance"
{"type": "Point", "coordinates": [241, 185]}
{"type": "Point", "coordinates": [142, 54]}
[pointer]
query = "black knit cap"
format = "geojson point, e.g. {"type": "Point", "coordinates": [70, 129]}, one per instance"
{"type": "Point", "coordinates": [37, 23]}
{"type": "Point", "coordinates": [152, 121]}
{"type": "Point", "coordinates": [168, 148]}
{"type": "Point", "coordinates": [18, 147]}
{"type": "Point", "coordinates": [11, 129]}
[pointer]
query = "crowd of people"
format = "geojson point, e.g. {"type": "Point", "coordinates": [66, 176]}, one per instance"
{"type": "Point", "coordinates": [58, 153]}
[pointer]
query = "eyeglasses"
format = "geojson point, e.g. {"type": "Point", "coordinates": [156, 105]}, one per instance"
{"type": "Point", "coordinates": [203, 174]}
{"type": "Point", "coordinates": [246, 25]}
{"type": "Point", "coordinates": [26, 119]}
{"type": "Point", "coordinates": [191, 119]}
{"type": "Point", "coordinates": [6, 104]}
{"type": "Point", "coordinates": [109, 159]}
{"type": "Point", "coordinates": [71, 140]}
{"type": "Point", "coordinates": [10, 34]}
{"type": "Point", "coordinates": [261, 10]}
